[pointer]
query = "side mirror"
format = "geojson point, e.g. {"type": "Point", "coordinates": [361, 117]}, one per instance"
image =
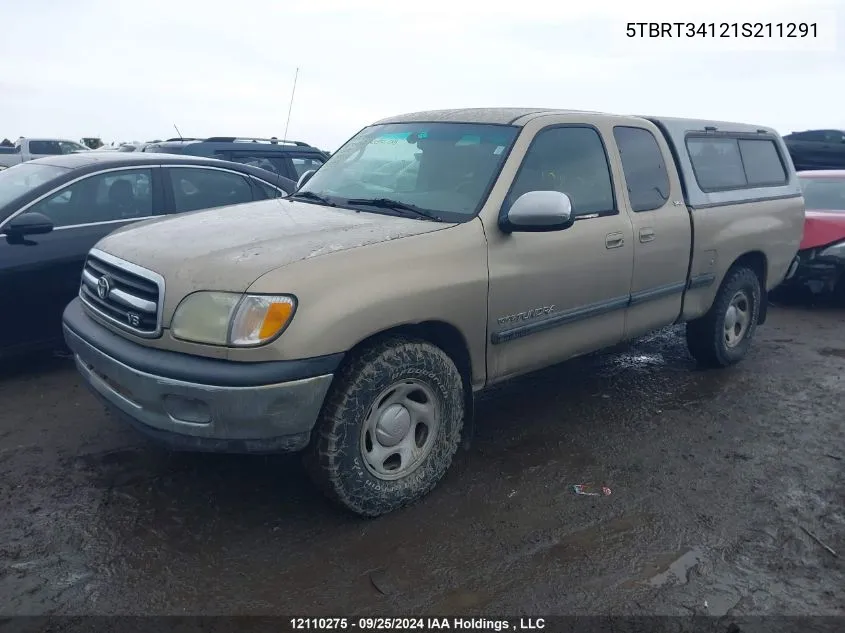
{"type": "Point", "coordinates": [539, 211]}
{"type": "Point", "coordinates": [32, 223]}
{"type": "Point", "coordinates": [305, 178]}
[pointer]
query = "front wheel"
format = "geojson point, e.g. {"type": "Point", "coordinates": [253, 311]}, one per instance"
{"type": "Point", "coordinates": [723, 335]}
{"type": "Point", "coordinates": [390, 427]}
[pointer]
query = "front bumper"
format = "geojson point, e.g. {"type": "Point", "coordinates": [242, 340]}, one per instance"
{"type": "Point", "coordinates": [819, 274]}
{"type": "Point", "coordinates": [196, 403]}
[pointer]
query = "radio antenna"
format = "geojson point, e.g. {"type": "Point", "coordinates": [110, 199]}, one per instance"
{"type": "Point", "coordinates": [178, 132]}
{"type": "Point", "coordinates": [290, 107]}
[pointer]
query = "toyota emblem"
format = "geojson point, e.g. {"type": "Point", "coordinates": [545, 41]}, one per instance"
{"type": "Point", "coordinates": [103, 287]}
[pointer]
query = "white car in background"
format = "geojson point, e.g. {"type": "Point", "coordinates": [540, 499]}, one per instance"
{"type": "Point", "coordinates": [27, 149]}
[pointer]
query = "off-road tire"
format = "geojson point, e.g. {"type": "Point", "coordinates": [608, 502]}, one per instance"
{"type": "Point", "coordinates": [706, 335]}
{"type": "Point", "coordinates": [334, 458]}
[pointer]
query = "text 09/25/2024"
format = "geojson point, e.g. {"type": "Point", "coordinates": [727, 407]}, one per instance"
{"type": "Point", "coordinates": [418, 624]}
{"type": "Point", "coordinates": [732, 30]}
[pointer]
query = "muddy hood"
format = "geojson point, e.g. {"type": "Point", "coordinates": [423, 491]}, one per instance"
{"type": "Point", "coordinates": [822, 228]}
{"type": "Point", "coordinates": [230, 247]}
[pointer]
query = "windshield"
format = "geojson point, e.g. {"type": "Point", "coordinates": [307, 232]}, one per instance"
{"type": "Point", "coordinates": [826, 194]}
{"type": "Point", "coordinates": [445, 168]}
{"type": "Point", "coordinates": [18, 180]}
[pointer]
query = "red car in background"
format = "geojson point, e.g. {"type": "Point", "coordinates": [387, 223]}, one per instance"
{"type": "Point", "coordinates": [821, 255]}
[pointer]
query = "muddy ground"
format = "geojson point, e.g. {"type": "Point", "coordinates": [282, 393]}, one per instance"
{"type": "Point", "coordinates": [714, 476]}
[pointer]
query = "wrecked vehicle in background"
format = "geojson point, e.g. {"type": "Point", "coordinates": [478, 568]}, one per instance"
{"type": "Point", "coordinates": [820, 264]}
{"type": "Point", "coordinates": [433, 255]}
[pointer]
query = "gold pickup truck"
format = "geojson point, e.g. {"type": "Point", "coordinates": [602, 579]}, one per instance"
{"type": "Point", "coordinates": [435, 254]}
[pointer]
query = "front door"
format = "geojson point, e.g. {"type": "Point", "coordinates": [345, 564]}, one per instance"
{"type": "Point", "coordinates": [40, 274]}
{"type": "Point", "coordinates": [559, 294]}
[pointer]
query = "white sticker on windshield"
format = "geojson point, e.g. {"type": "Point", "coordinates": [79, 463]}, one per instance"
{"type": "Point", "coordinates": [499, 150]}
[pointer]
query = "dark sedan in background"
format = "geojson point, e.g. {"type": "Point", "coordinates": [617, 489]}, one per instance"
{"type": "Point", "coordinates": [53, 210]}
{"type": "Point", "coordinates": [817, 149]}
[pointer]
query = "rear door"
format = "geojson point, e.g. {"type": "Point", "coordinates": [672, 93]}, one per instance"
{"type": "Point", "coordinates": [662, 228]}
{"type": "Point", "coordinates": [41, 274]}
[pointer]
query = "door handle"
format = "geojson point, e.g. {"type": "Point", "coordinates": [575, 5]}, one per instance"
{"type": "Point", "coordinates": [646, 235]}
{"type": "Point", "coordinates": [614, 240]}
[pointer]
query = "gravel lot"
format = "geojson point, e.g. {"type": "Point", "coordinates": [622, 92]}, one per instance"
{"type": "Point", "coordinates": [714, 478]}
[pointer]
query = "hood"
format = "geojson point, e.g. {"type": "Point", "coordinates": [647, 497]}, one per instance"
{"type": "Point", "coordinates": [228, 248]}
{"type": "Point", "coordinates": [822, 228]}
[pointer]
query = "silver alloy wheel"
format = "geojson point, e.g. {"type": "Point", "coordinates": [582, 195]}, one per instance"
{"type": "Point", "coordinates": [737, 319]}
{"type": "Point", "coordinates": [400, 429]}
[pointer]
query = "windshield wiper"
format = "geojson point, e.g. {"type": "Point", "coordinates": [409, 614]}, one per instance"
{"type": "Point", "coordinates": [410, 210]}
{"type": "Point", "coordinates": [310, 195]}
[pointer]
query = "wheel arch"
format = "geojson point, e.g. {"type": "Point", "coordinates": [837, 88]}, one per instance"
{"type": "Point", "coordinates": [446, 337]}
{"type": "Point", "coordinates": [758, 263]}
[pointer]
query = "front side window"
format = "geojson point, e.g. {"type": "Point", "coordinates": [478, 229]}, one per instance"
{"type": "Point", "coordinates": [118, 195]}
{"type": "Point", "coordinates": [445, 168]}
{"type": "Point", "coordinates": [571, 160]}
{"type": "Point", "coordinates": [19, 180]}
{"type": "Point", "coordinates": [824, 194]}
{"type": "Point", "coordinates": [644, 168]}
{"type": "Point", "coordinates": [301, 165]}
{"type": "Point", "coordinates": [195, 188]}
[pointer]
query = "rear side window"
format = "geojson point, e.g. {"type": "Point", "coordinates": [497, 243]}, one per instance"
{"type": "Point", "coordinates": [811, 135]}
{"type": "Point", "coordinates": [644, 168]}
{"type": "Point", "coordinates": [724, 163]}
{"type": "Point", "coordinates": [267, 162]}
{"type": "Point", "coordinates": [266, 191]}
{"type": "Point", "coordinates": [195, 189]}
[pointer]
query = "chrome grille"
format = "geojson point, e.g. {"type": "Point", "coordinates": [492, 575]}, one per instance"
{"type": "Point", "coordinates": [122, 293]}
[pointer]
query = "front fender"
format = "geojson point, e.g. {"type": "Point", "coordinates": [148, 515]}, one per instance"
{"type": "Point", "coordinates": [348, 296]}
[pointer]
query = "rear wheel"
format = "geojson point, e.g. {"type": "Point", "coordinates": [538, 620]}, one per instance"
{"type": "Point", "coordinates": [390, 427]}
{"type": "Point", "coordinates": [723, 335]}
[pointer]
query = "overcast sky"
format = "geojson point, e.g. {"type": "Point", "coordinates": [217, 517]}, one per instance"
{"type": "Point", "coordinates": [130, 70]}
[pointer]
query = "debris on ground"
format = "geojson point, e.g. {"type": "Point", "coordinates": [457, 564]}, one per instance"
{"type": "Point", "coordinates": [380, 581]}
{"type": "Point", "coordinates": [587, 490]}
{"type": "Point", "coordinates": [820, 542]}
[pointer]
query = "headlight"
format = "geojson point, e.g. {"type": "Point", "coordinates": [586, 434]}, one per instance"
{"type": "Point", "coordinates": [228, 318]}
{"type": "Point", "coordinates": [834, 250]}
